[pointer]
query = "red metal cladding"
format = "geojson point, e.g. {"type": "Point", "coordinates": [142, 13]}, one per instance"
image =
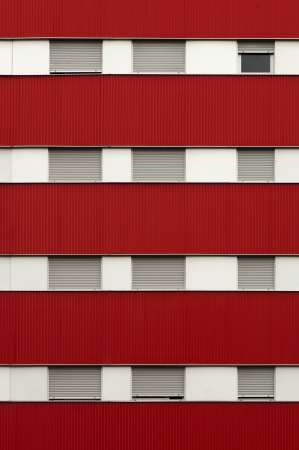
{"type": "Point", "coordinates": [149, 218]}
{"type": "Point", "coordinates": [148, 426]}
{"type": "Point", "coordinates": [149, 328]}
{"type": "Point", "coordinates": [136, 110]}
{"type": "Point", "coordinates": [150, 19]}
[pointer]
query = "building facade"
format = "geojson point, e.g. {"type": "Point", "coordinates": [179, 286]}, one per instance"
{"type": "Point", "coordinates": [149, 252]}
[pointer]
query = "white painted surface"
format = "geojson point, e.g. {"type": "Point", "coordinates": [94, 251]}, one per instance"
{"type": "Point", "coordinates": [287, 384]}
{"type": "Point", "coordinates": [5, 165]}
{"type": "Point", "coordinates": [287, 273]}
{"type": "Point", "coordinates": [206, 165]}
{"type": "Point", "coordinates": [287, 165]}
{"type": "Point", "coordinates": [116, 164]}
{"type": "Point", "coordinates": [29, 384]}
{"type": "Point", "coordinates": [116, 383]}
{"type": "Point", "coordinates": [31, 57]}
{"type": "Point", "coordinates": [29, 273]}
{"type": "Point", "coordinates": [116, 273]}
{"type": "Point", "coordinates": [4, 273]}
{"type": "Point", "coordinates": [117, 56]}
{"type": "Point", "coordinates": [211, 57]}
{"type": "Point", "coordinates": [5, 57]}
{"type": "Point", "coordinates": [287, 57]}
{"type": "Point", "coordinates": [30, 165]}
{"type": "Point", "coordinates": [210, 384]}
{"type": "Point", "coordinates": [4, 384]}
{"type": "Point", "coordinates": [211, 273]}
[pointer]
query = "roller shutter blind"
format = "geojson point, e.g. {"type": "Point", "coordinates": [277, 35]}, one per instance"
{"type": "Point", "coordinates": [75, 56]}
{"type": "Point", "coordinates": [256, 273]}
{"type": "Point", "coordinates": [159, 165]}
{"type": "Point", "coordinates": [75, 165]}
{"type": "Point", "coordinates": [256, 383]}
{"type": "Point", "coordinates": [256, 46]}
{"type": "Point", "coordinates": [75, 383]}
{"type": "Point", "coordinates": [74, 273]}
{"type": "Point", "coordinates": [159, 56]}
{"type": "Point", "coordinates": [150, 273]}
{"type": "Point", "coordinates": [256, 165]}
{"type": "Point", "coordinates": [158, 383]}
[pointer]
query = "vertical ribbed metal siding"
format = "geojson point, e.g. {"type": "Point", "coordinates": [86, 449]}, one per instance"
{"type": "Point", "coordinates": [256, 46]}
{"type": "Point", "coordinates": [71, 56]}
{"type": "Point", "coordinates": [159, 56]}
{"type": "Point", "coordinates": [76, 273]}
{"type": "Point", "coordinates": [159, 273]}
{"type": "Point", "coordinates": [256, 165]}
{"type": "Point", "coordinates": [74, 383]}
{"type": "Point", "coordinates": [256, 383]}
{"type": "Point", "coordinates": [159, 165]}
{"type": "Point", "coordinates": [158, 382]}
{"type": "Point", "coordinates": [256, 273]}
{"type": "Point", "coordinates": [75, 165]}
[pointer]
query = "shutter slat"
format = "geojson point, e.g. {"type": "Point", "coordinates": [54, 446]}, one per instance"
{"type": "Point", "coordinates": [256, 273]}
{"type": "Point", "coordinates": [256, 165]}
{"type": "Point", "coordinates": [72, 383]}
{"type": "Point", "coordinates": [75, 165]}
{"type": "Point", "coordinates": [158, 273]}
{"type": "Point", "coordinates": [74, 273]}
{"type": "Point", "coordinates": [256, 383]}
{"type": "Point", "coordinates": [256, 46]}
{"type": "Point", "coordinates": [159, 165]}
{"type": "Point", "coordinates": [158, 56]}
{"type": "Point", "coordinates": [67, 56]}
{"type": "Point", "coordinates": [148, 382]}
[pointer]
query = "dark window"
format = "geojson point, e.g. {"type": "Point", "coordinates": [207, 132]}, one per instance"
{"type": "Point", "coordinates": [255, 63]}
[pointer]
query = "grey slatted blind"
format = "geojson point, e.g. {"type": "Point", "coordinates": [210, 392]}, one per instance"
{"type": "Point", "coordinates": [256, 273]}
{"type": "Point", "coordinates": [75, 56]}
{"type": "Point", "coordinates": [256, 46]}
{"type": "Point", "coordinates": [75, 383]}
{"type": "Point", "coordinates": [75, 165]}
{"type": "Point", "coordinates": [158, 273]}
{"type": "Point", "coordinates": [159, 165]}
{"type": "Point", "coordinates": [256, 383]}
{"type": "Point", "coordinates": [158, 382]}
{"type": "Point", "coordinates": [159, 56]}
{"type": "Point", "coordinates": [256, 165]}
{"type": "Point", "coordinates": [74, 273]}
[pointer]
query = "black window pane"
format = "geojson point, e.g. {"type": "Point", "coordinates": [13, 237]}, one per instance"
{"type": "Point", "coordinates": [255, 63]}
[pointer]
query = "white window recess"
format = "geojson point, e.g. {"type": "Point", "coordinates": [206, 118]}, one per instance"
{"type": "Point", "coordinates": [158, 383]}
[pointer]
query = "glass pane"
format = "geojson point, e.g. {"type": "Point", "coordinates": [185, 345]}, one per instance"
{"type": "Point", "coordinates": [255, 63]}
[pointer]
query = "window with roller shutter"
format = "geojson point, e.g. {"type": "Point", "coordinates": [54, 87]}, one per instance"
{"type": "Point", "coordinates": [154, 56]}
{"type": "Point", "coordinates": [75, 56]}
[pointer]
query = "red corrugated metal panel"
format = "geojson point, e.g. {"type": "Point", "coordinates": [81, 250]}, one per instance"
{"type": "Point", "coordinates": [148, 426]}
{"type": "Point", "coordinates": [133, 18]}
{"type": "Point", "coordinates": [149, 328]}
{"type": "Point", "coordinates": [149, 110]}
{"type": "Point", "coordinates": [149, 218]}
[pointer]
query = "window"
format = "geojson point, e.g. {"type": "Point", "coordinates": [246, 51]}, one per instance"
{"type": "Point", "coordinates": [75, 165]}
{"type": "Point", "coordinates": [75, 383]}
{"type": "Point", "coordinates": [159, 56]}
{"type": "Point", "coordinates": [75, 56]}
{"type": "Point", "coordinates": [159, 165]}
{"type": "Point", "coordinates": [74, 273]}
{"type": "Point", "coordinates": [256, 56]}
{"type": "Point", "coordinates": [158, 383]}
{"type": "Point", "coordinates": [158, 273]}
{"type": "Point", "coordinates": [256, 383]}
{"type": "Point", "coordinates": [255, 273]}
{"type": "Point", "coordinates": [255, 165]}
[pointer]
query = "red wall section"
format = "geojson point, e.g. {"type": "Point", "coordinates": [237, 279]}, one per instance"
{"type": "Point", "coordinates": [149, 111]}
{"type": "Point", "coordinates": [148, 426]}
{"type": "Point", "coordinates": [154, 18]}
{"type": "Point", "coordinates": [149, 218]}
{"type": "Point", "coordinates": [149, 328]}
